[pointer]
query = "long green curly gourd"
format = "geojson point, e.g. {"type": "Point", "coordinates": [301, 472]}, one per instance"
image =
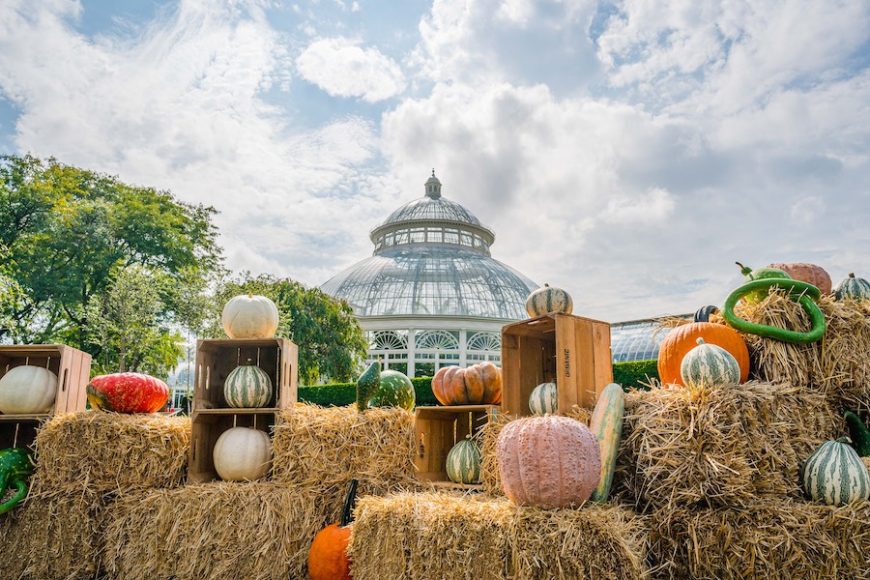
{"type": "Point", "coordinates": [15, 468]}
{"type": "Point", "coordinates": [805, 294]}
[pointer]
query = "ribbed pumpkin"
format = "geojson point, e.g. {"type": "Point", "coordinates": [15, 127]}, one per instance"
{"type": "Point", "coordinates": [248, 386]}
{"type": "Point", "coordinates": [463, 462]}
{"type": "Point", "coordinates": [327, 558]}
{"type": "Point", "coordinates": [549, 300]}
{"type": "Point", "coordinates": [548, 462]}
{"type": "Point", "coordinates": [835, 475]}
{"type": "Point", "coordinates": [250, 316]}
{"type": "Point", "coordinates": [682, 339]}
{"type": "Point", "coordinates": [27, 389]}
{"type": "Point", "coordinates": [242, 454]}
{"type": "Point", "coordinates": [606, 425]}
{"type": "Point", "coordinates": [127, 393]}
{"type": "Point", "coordinates": [544, 399]}
{"type": "Point", "coordinates": [479, 384]}
{"type": "Point", "coordinates": [853, 288]}
{"type": "Point", "coordinates": [810, 273]}
{"type": "Point", "coordinates": [708, 365]}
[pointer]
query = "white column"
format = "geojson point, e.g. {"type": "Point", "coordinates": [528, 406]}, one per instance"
{"type": "Point", "coordinates": [411, 351]}
{"type": "Point", "coordinates": [463, 348]}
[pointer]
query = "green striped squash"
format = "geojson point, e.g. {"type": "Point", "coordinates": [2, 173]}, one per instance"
{"type": "Point", "coordinates": [463, 462]}
{"type": "Point", "coordinates": [709, 365]}
{"type": "Point", "coordinates": [247, 386]}
{"type": "Point", "coordinates": [549, 300]}
{"type": "Point", "coordinates": [835, 475]}
{"type": "Point", "coordinates": [853, 288]}
{"type": "Point", "coordinates": [544, 400]}
{"type": "Point", "coordinates": [606, 425]}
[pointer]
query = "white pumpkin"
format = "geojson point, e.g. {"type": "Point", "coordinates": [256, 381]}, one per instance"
{"type": "Point", "coordinates": [26, 390]}
{"type": "Point", "coordinates": [242, 454]}
{"type": "Point", "coordinates": [250, 316]}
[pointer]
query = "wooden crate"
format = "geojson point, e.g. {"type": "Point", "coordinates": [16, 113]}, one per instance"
{"type": "Point", "coordinates": [72, 367]}
{"type": "Point", "coordinates": [438, 429]}
{"type": "Point", "coordinates": [572, 351]}
{"type": "Point", "coordinates": [208, 425]}
{"type": "Point", "coordinates": [215, 359]}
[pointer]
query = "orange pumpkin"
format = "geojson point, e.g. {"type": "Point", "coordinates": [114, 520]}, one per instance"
{"type": "Point", "coordinates": [479, 384]}
{"type": "Point", "coordinates": [327, 559]}
{"type": "Point", "coordinates": [810, 273]}
{"type": "Point", "coordinates": [682, 339]}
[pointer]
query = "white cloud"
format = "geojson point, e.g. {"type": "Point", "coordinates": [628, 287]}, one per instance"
{"type": "Point", "coordinates": [342, 68]}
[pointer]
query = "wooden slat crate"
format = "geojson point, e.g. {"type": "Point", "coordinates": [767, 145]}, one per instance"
{"type": "Point", "coordinates": [72, 367]}
{"type": "Point", "coordinates": [207, 426]}
{"type": "Point", "coordinates": [572, 351]}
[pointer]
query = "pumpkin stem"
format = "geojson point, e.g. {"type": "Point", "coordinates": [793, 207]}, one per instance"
{"type": "Point", "coordinates": [700, 341]}
{"type": "Point", "coordinates": [546, 285]}
{"type": "Point", "coordinates": [851, 274]}
{"type": "Point", "coordinates": [349, 503]}
{"type": "Point", "coordinates": [846, 440]}
{"type": "Point", "coordinates": [745, 270]}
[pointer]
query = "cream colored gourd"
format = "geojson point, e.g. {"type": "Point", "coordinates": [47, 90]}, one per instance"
{"type": "Point", "coordinates": [26, 390]}
{"type": "Point", "coordinates": [709, 365]}
{"type": "Point", "coordinates": [242, 454]}
{"type": "Point", "coordinates": [250, 316]}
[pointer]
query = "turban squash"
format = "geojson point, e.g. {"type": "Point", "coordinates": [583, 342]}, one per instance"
{"type": "Point", "coordinates": [682, 339]}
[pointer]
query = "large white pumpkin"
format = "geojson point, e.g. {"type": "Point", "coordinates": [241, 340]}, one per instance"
{"type": "Point", "coordinates": [26, 390]}
{"type": "Point", "coordinates": [242, 454]}
{"type": "Point", "coordinates": [250, 316]}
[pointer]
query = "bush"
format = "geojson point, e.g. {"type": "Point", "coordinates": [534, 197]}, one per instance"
{"type": "Point", "coordinates": [635, 373]}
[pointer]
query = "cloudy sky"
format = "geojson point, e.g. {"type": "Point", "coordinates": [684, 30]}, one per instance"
{"type": "Point", "coordinates": [628, 151]}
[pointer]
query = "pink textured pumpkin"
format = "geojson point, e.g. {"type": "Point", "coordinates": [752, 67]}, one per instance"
{"type": "Point", "coordinates": [548, 462]}
{"type": "Point", "coordinates": [810, 273]}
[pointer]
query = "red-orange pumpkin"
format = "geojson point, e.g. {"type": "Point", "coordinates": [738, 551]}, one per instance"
{"type": "Point", "coordinates": [327, 559]}
{"type": "Point", "coordinates": [682, 339]}
{"type": "Point", "coordinates": [479, 384]}
{"type": "Point", "coordinates": [810, 273]}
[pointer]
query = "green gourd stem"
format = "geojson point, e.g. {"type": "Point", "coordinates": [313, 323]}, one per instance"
{"type": "Point", "coordinates": [805, 293]}
{"type": "Point", "coordinates": [349, 503]}
{"type": "Point", "coordinates": [844, 441]}
{"type": "Point", "coordinates": [13, 501]}
{"type": "Point", "coordinates": [859, 432]}
{"type": "Point", "coordinates": [745, 270]}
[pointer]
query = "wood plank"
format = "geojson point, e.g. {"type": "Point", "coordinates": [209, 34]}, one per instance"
{"type": "Point", "coordinates": [24, 417]}
{"type": "Point", "coordinates": [603, 358]}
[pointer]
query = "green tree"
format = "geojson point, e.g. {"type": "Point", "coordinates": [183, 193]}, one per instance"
{"type": "Point", "coordinates": [331, 343]}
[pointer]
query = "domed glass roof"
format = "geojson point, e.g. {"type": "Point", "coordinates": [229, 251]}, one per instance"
{"type": "Point", "coordinates": [427, 208]}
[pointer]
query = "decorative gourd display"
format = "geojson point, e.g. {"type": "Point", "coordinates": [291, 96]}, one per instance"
{"type": "Point", "coordinates": [367, 384]}
{"type": "Point", "coordinates": [15, 470]}
{"type": "Point", "coordinates": [835, 475]}
{"type": "Point", "coordinates": [479, 384]}
{"type": "Point", "coordinates": [544, 399]}
{"type": "Point", "coordinates": [549, 300]}
{"type": "Point", "coordinates": [250, 316]}
{"type": "Point", "coordinates": [242, 454]}
{"type": "Point", "coordinates": [809, 273]}
{"type": "Point", "coordinates": [680, 340]}
{"type": "Point", "coordinates": [859, 433]}
{"type": "Point", "coordinates": [395, 390]}
{"type": "Point", "coordinates": [248, 386]}
{"type": "Point", "coordinates": [704, 313]}
{"type": "Point", "coordinates": [708, 365]}
{"type": "Point", "coordinates": [548, 462]}
{"type": "Point", "coordinates": [759, 294]}
{"type": "Point", "coordinates": [327, 558]}
{"type": "Point", "coordinates": [853, 288]}
{"type": "Point", "coordinates": [27, 390]}
{"type": "Point", "coordinates": [606, 425]}
{"type": "Point", "coordinates": [463, 462]}
{"type": "Point", "coordinates": [127, 393]}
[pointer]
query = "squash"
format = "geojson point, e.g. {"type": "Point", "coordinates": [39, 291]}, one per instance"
{"type": "Point", "coordinates": [859, 433]}
{"type": "Point", "coordinates": [127, 393]}
{"type": "Point", "coordinates": [804, 293]}
{"type": "Point", "coordinates": [548, 462]}
{"type": "Point", "coordinates": [680, 340]}
{"type": "Point", "coordinates": [760, 274]}
{"type": "Point", "coordinates": [549, 300]}
{"type": "Point", "coordinates": [544, 399]}
{"type": "Point", "coordinates": [708, 365]}
{"type": "Point", "coordinates": [853, 288]}
{"type": "Point", "coordinates": [242, 454]}
{"type": "Point", "coordinates": [248, 386]}
{"type": "Point", "coordinates": [367, 384]}
{"type": "Point", "coordinates": [250, 316]}
{"type": "Point", "coordinates": [479, 384]}
{"type": "Point", "coordinates": [835, 475]}
{"type": "Point", "coordinates": [606, 425]}
{"type": "Point", "coordinates": [395, 390]}
{"type": "Point", "coordinates": [810, 273]}
{"type": "Point", "coordinates": [463, 462]}
{"type": "Point", "coordinates": [704, 313]}
{"type": "Point", "coordinates": [27, 390]}
{"type": "Point", "coordinates": [327, 558]}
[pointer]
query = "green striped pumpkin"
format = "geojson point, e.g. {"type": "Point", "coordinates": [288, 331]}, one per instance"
{"type": "Point", "coordinates": [549, 300]}
{"type": "Point", "coordinates": [463, 462]}
{"type": "Point", "coordinates": [544, 399]}
{"type": "Point", "coordinates": [835, 475]}
{"type": "Point", "coordinates": [709, 365]}
{"type": "Point", "coordinates": [853, 288]}
{"type": "Point", "coordinates": [247, 386]}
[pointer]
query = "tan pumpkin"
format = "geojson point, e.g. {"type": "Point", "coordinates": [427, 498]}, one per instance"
{"type": "Point", "coordinates": [810, 273]}
{"type": "Point", "coordinates": [682, 339]}
{"type": "Point", "coordinates": [479, 384]}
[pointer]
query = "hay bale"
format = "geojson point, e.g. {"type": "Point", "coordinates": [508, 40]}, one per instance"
{"type": "Point", "coordinates": [723, 446]}
{"type": "Point", "coordinates": [53, 536]}
{"type": "Point", "coordinates": [215, 530]}
{"type": "Point", "coordinates": [317, 448]}
{"type": "Point", "coordinates": [439, 535]}
{"type": "Point", "coordinates": [773, 538]}
{"type": "Point", "coordinates": [102, 452]}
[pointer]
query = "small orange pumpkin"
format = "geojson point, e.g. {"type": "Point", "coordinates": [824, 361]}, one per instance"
{"type": "Point", "coordinates": [327, 559]}
{"type": "Point", "coordinates": [682, 339]}
{"type": "Point", "coordinates": [479, 384]}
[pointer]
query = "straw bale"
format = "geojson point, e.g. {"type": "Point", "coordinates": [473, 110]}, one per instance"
{"type": "Point", "coordinates": [215, 530]}
{"type": "Point", "coordinates": [441, 535]}
{"type": "Point", "coordinates": [53, 536]}
{"type": "Point", "coordinates": [722, 446]}
{"type": "Point", "coordinates": [103, 452]}
{"type": "Point", "coordinates": [317, 448]}
{"type": "Point", "coordinates": [773, 538]}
